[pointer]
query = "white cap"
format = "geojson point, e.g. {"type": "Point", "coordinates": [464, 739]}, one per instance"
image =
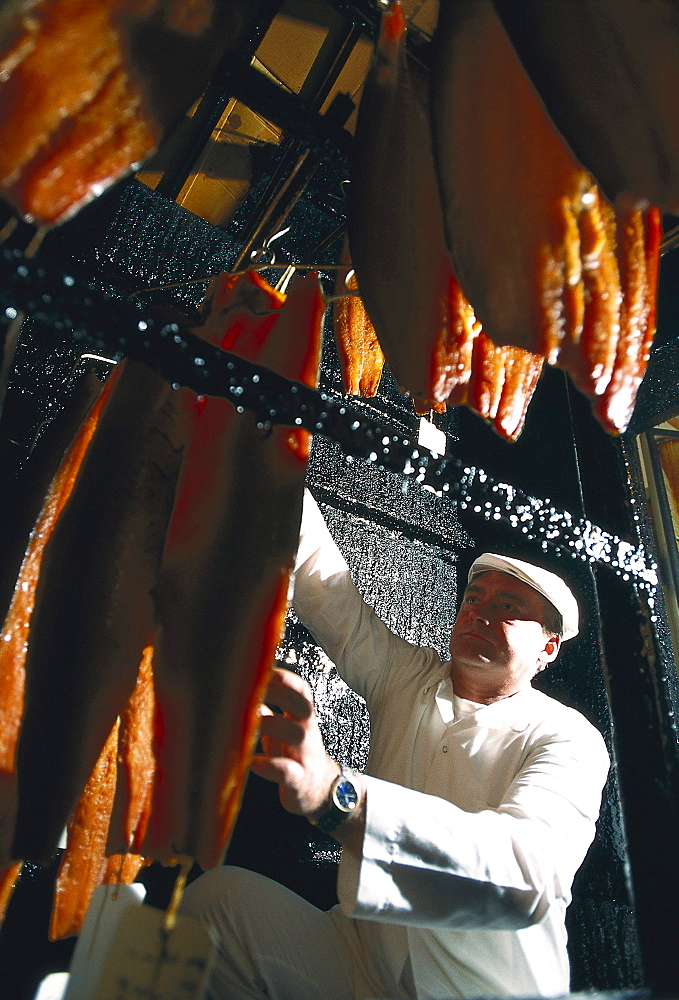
{"type": "Point", "coordinates": [548, 584]}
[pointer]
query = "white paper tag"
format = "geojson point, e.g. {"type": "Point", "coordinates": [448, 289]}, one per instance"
{"type": "Point", "coordinates": [144, 962]}
{"type": "Point", "coordinates": [108, 907]}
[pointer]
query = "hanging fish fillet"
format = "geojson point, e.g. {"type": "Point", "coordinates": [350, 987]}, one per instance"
{"type": "Point", "coordinates": [523, 219]}
{"type": "Point", "coordinates": [8, 879]}
{"type": "Point", "coordinates": [454, 348]}
{"type": "Point", "coordinates": [87, 89]}
{"type": "Point", "coordinates": [638, 240]}
{"type": "Point", "coordinates": [546, 262]}
{"type": "Point", "coordinates": [395, 228]}
{"type": "Point", "coordinates": [607, 72]}
{"type": "Point", "coordinates": [75, 52]}
{"type": "Point", "coordinates": [84, 862]}
{"type": "Point", "coordinates": [453, 356]}
{"type": "Point", "coordinates": [136, 765]}
{"type": "Point", "coordinates": [17, 623]}
{"type": "Point", "coordinates": [93, 609]}
{"type": "Point", "coordinates": [124, 774]}
{"type": "Point", "coordinates": [222, 593]}
{"type": "Point", "coordinates": [360, 355]}
{"type": "Point", "coordinates": [501, 385]}
{"type": "Point", "coordinates": [425, 323]}
{"type": "Point", "coordinates": [25, 490]}
{"type": "Point", "coordinates": [105, 139]}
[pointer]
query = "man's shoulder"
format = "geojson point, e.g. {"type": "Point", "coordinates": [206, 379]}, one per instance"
{"type": "Point", "coordinates": [551, 717]}
{"type": "Point", "coordinates": [421, 663]}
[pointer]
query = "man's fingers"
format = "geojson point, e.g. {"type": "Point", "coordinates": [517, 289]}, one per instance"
{"type": "Point", "coordinates": [281, 770]}
{"type": "Point", "coordinates": [282, 730]}
{"type": "Point", "coordinates": [291, 693]}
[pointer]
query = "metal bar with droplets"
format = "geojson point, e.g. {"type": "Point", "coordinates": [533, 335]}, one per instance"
{"type": "Point", "coordinates": [96, 322]}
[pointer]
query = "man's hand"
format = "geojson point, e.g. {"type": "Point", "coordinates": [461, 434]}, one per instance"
{"type": "Point", "coordinates": [294, 755]}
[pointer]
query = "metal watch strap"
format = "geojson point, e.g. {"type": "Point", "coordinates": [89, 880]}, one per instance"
{"type": "Point", "coordinates": [332, 816]}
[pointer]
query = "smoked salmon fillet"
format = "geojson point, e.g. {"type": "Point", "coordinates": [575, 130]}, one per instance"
{"type": "Point", "coordinates": [221, 597]}
{"type": "Point", "coordinates": [93, 609]}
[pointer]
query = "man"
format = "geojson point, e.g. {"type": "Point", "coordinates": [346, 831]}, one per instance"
{"type": "Point", "coordinates": [461, 841]}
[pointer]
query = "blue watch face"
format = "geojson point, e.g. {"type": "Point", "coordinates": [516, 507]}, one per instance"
{"type": "Point", "coordinates": [345, 795]}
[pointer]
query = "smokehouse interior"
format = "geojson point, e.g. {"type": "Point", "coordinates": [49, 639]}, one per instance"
{"type": "Point", "coordinates": [165, 163]}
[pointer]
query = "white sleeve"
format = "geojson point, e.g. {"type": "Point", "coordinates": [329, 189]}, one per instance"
{"type": "Point", "coordinates": [328, 603]}
{"type": "Point", "coordinates": [428, 863]}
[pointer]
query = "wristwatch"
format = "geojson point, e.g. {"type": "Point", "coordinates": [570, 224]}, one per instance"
{"type": "Point", "coordinates": [343, 799]}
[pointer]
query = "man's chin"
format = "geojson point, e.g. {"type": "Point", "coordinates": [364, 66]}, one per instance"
{"type": "Point", "coordinates": [469, 649]}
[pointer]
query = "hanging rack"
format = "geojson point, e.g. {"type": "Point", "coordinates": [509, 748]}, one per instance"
{"type": "Point", "coordinates": [264, 259]}
{"type": "Point", "coordinates": [117, 328]}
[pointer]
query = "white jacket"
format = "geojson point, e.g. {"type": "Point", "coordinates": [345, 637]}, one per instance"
{"type": "Point", "coordinates": [478, 816]}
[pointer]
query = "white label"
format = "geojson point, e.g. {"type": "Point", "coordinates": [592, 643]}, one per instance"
{"type": "Point", "coordinates": [431, 437]}
{"type": "Point", "coordinates": [108, 907]}
{"type": "Point", "coordinates": [144, 962]}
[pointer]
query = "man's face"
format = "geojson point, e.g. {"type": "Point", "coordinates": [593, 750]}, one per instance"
{"type": "Point", "coordinates": [498, 635]}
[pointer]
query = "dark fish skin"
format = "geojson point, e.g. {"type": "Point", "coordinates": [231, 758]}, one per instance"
{"type": "Point", "coordinates": [222, 592]}
{"type": "Point", "coordinates": [23, 493]}
{"type": "Point", "coordinates": [93, 613]}
{"type": "Point", "coordinates": [394, 220]}
{"type": "Point", "coordinates": [607, 72]}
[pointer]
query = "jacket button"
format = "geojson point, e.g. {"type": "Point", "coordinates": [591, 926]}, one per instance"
{"type": "Point", "coordinates": [444, 749]}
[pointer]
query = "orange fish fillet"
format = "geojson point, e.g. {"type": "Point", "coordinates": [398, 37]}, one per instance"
{"type": "Point", "coordinates": [546, 262]}
{"type": "Point", "coordinates": [93, 608]}
{"type": "Point", "coordinates": [123, 774]}
{"type": "Point", "coordinates": [605, 70]}
{"type": "Point", "coordinates": [394, 221]}
{"type": "Point", "coordinates": [51, 104]}
{"type": "Point", "coordinates": [501, 385]}
{"type": "Point", "coordinates": [88, 88]}
{"type": "Point", "coordinates": [522, 217]}
{"type": "Point", "coordinates": [137, 764]}
{"type": "Point", "coordinates": [17, 623]}
{"type": "Point", "coordinates": [8, 880]}
{"type": "Point", "coordinates": [105, 140]}
{"type": "Point", "coordinates": [360, 355]}
{"type": "Point", "coordinates": [222, 593]}
{"type": "Point", "coordinates": [83, 864]}
{"type": "Point", "coordinates": [424, 320]}
{"type": "Point", "coordinates": [638, 237]}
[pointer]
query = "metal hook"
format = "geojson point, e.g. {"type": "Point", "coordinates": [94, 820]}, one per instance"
{"type": "Point", "coordinates": [257, 257]}
{"type": "Point", "coordinates": [258, 262]}
{"type": "Point", "coordinates": [285, 279]}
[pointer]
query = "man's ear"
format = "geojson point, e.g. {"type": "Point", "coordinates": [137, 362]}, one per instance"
{"type": "Point", "coordinates": [551, 649]}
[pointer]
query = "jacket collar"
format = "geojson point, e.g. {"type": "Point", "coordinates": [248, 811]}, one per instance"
{"type": "Point", "coordinates": [516, 712]}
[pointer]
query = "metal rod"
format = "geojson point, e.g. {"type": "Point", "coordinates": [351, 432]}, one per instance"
{"type": "Point", "coordinates": [290, 179]}
{"type": "Point", "coordinates": [298, 164]}
{"type": "Point", "coordinates": [329, 63]}
{"type": "Point", "coordinates": [659, 433]}
{"type": "Point", "coordinates": [664, 507]}
{"type": "Point", "coordinates": [217, 95]}
{"type": "Point", "coordinates": [184, 358]}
